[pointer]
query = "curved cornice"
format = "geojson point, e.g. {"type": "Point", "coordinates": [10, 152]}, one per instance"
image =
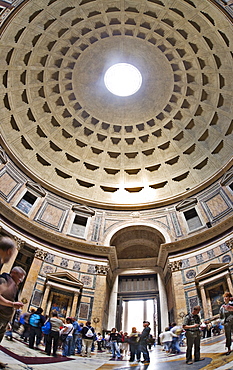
{"type": "Point", "coordinates": [52, 239]}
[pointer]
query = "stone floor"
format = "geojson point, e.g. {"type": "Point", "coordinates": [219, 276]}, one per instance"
{"type": "Point", "coordinates": [212, 349]}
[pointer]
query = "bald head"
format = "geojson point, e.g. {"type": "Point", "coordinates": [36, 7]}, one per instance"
{"type": "Point", "coordinates": [7, 248]}
{"type": "Point", "coordinates": [18, 274]}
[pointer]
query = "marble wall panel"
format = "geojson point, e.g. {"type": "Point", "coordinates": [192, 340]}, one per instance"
{"type": "Point", "coordinates": [9, 185]}
{"type": "Point", "coordinates": [52, 214]}
{"type": "Point", "coordinates": [217, 205]}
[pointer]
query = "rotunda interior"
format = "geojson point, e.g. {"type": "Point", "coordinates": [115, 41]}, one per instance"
{"type": "Point", "coordinates": [96, 187]}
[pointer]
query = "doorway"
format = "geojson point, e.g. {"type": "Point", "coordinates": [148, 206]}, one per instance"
{"type": "Point", "coordinates": [134, 312]}
{"type": "Point", "coordinates": [138, 300]}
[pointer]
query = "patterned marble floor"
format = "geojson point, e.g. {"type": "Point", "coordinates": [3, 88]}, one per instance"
{"type": "Point", "coordinates": [212, 349]}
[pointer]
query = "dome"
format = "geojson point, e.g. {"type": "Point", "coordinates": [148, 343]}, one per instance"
{"type": "Point", "coordinates": [73, 136]}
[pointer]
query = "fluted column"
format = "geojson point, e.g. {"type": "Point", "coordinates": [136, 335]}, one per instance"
{"type": "Point", "coordinates": [32, 275]}
{"type": "Point", "coordinates": [204, 302]}
{"type": "Point", "coordinates": [145, 318]}
{"type": "Point", "coordinates": [74, 305]}
{"type": "Point", "coordinates": [99, 304]}
{"type": "Point", "coordinates": [229, 283]}
{"type": "Point", "coordinates": [179, 303]}
{"type": "Point", "coordinates": [45, 298]}
{"type": "Point", "coordinates": [163, 302]}
{"type": "Point", "coordinates": [113, 305]}
{"type": "Point", "coordinates": [126, 312]}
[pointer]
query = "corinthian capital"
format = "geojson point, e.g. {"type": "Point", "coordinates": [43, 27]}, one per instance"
{"type": "Point", "coordinates": [101, 270]}
{"type": "Point", "coordinates": [229, 243]}
{"type": "Point", "coordinates": [175, 265]}
{"type": "Point", "coordinates": [40, 254]}
{"type": "Point", "coordinates": [19, 242]}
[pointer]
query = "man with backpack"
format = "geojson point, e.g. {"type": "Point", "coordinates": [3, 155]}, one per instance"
{"type": "Point", "coordinates": [87, 336]}
{"type": "Point", "coordinates": [36, 321]}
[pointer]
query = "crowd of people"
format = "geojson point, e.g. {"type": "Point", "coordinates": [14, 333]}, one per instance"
{"type": "Point", "coordinates": [78, 338]}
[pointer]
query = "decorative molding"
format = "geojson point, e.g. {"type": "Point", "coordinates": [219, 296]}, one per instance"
{"type": "Point", "coordinates": [176, 224]}
{"type": "Point", "coordinates": [175, 265]}
{"type": "Point", "coordinates": [96, 228]}
{"type": "Point", "coordinates": [40, 254]}
{"type": "Point", "coordinates": [101, 270]}
{"type": "Point", "coordinates": [135, 214]}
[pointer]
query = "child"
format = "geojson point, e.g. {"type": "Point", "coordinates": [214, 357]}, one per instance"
{"type": "Point", "coordinates": [166, 339]}
{"type": "Point", "coordinates": [8, 333]}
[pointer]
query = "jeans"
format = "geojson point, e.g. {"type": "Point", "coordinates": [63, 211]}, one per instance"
{"type": "Point", "coordinates": [66, 346]}
{"type": "Point", "coordinates": [144, 350]}
{"type": "Point", "coordinates": [77, 340]}
{"type": "Point", "coordinates": [167, 345]}
{"type": "Point", "coordinates": [115, 349]}
{"type": "Point", "coordinates": [134, 350]}
{"type": "Point", "coordinates": [175, 345]}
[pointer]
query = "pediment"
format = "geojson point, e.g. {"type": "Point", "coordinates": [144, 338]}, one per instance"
{"type": "Point", "coordinates": [186, 204]}
{"type": "Point", "coordinates": [36, 188]}
{"type": "Point", "coordinates": [212, 269]}
{"type": "Point", "coordinates": [3, 156]}
{"type": "Point", "coordinates": [83, 209]}
{"type": "Point", "coordinates": [227, 178]}
{"type": "Point", "coordinates": [64, 277]}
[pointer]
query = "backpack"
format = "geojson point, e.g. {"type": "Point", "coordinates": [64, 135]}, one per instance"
{"type": "Point", "coordinates": [21, 320]}
{"type": "Point", "coordinates": [89, 333]}
{"type": "Point", "coordinates": [46, 328]}
{"type": "Point", "coordinates": [34, 320]}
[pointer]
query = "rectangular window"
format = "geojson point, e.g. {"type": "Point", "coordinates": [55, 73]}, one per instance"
{"type": "Point", "coordinates": [79, 226]}
{"type": "Point", "coordinates": [192, 219]}
{"type": "Point", "coordinates": [26, 203]}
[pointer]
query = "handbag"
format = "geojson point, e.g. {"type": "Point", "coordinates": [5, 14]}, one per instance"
{"type": "Point", "coordinates": [64, 336]}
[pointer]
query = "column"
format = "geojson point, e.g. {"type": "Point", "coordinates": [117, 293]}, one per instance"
{"type": "Point", "coordinates": [145, 318]}
{"type": "Point", "coordinates": [163, 302]}
{"type": "Point", "coordinates": [126, 311]}
{"type": "Point", "coordinates": [45, 298]}
{"type": "Point", "coordinates": [99, 304]}
{"type": "Point", "coordinates": [229, 283]}
{"type": "Point", "coordinates": [68, 312]}
{"type": "Point", "coordinates": [32, 276]}
{"type": "Point", "coordinates": [204, 302]}
{"type": "Point", "coordinates": [113, 305]}
{"type": "Point", "coordinates": [74, 305]}
{"type": "Point", "coordinates": [177, 299]}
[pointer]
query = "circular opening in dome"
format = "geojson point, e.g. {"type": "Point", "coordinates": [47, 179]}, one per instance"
{"type": "Point", "coordinates": [123, 79]}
